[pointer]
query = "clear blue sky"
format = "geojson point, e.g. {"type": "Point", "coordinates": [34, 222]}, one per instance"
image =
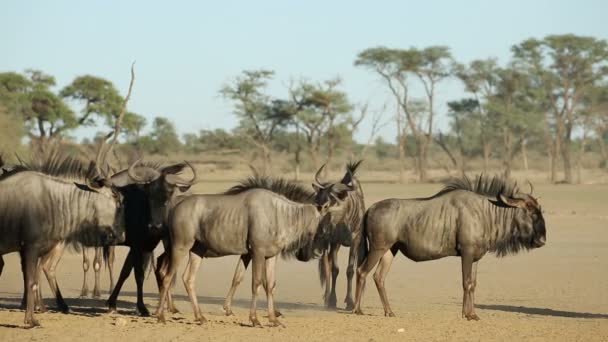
{"type": "Point", "coordinates": [186, 50]}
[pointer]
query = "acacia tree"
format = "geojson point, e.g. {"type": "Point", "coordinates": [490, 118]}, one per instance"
{"type": "Point", "coordinates": [396, 67]}
{"type": "Point", "coordinates": [322, 113]}
{"type": "Point", "coordinates": [480, 78]}
{"type": "Point", "coordinates": [258, 119]}
{"type": "Point", "coordinates": [567, 67]}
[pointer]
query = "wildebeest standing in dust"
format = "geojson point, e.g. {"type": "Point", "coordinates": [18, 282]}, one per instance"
{"type": "Point", "coordinates": [148, 189]}
{"type": "Point", "coordinates": [349, 219]}
{"type": "Point", "coordinates": [257, 222]}
{"type": "Point", "coordinates": [466, 219]}
{"type": "Point", "coordinates": [346, 233]}
{"type": "Point", "coordinates": [38, 211]}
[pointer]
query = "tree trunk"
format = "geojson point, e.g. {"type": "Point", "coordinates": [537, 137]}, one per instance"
{"type": "Point", "coordinates": [566, 157]}
{"type": "Point", "coordinates": [507, 152]}
{"type": "Point", "coordinates": [579, 159]}
{"type": "Point", "coordinates": [602, 145]}
{"type": "Point", "coordinates": [524, 153]}
{"type": "Point", "coordinates": [401, 143]}
{"type": "Point", "coordinates": [265, 159]}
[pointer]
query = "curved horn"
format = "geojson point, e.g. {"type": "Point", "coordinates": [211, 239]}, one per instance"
{"type": "Point", "coordinates": [319, 183]}
{"type": "Point", "coordinates": [132, 174]}
{"type": "Point", "coordinates": [531, 187]}
{"type": "Point", "coordinates": [177, 180]}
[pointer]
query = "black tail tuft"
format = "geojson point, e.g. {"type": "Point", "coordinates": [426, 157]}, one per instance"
{"type": "Point", "coordinates": [363, 245]}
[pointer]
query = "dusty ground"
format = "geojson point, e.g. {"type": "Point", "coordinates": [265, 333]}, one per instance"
{"type": "Point", "coordinates": [559, 292]}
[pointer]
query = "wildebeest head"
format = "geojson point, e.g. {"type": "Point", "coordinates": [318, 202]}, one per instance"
{"type": "Point", "coordinates": [160, 186]}
{"type": "Point", "coordinates": [330, 197]}
{"type": "Point", "coordinates": [529, 219]}
{"type": "Point", "coordinates": [108, 214]}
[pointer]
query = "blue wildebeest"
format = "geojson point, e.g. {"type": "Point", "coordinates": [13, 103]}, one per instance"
{"type": "Point", "coordinates": [466, 219]}
{"type": "Point", "coordinates": [349, 221]}
{"type": "Point", "coordinates": [148, 189]}
{"type": "Point", "coordinates": [41, 208]}
{"type": "Point", "coordinates": [257, 222]}
{"type": "Point", "coordinates": [347, 233]}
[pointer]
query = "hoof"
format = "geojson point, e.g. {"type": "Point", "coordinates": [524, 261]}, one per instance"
{"type": "Point", "coordinates": [33, 323]}
{"type": "Point", "coordinates": [173, 310]}
{"type": "Point", "coordinates": [255, 322]}
{"type": "Point", "coordinates": [96, 295]}
{"type": "Point", "coordinates": [112, 310]}
{"type": "Point", "coordinates": [357, 312]}
{"type": "Point", "coordinates": [229, 312]}
{"type": "Point", "coordinates": [276, 323]}
{"type": "Point", "coordinates": [350, 305]}
{"type": "Point", "coordinates": [161, 319]}
{"type": "Point", "coordinates": [65, 310]}
{"type": "Point", "coordinates": [278, 313]}
{"type": "Point", "coordinates": [201, 320]}
{"type": "Point", "coordinates": [472, 317]}
{"type": "Point", "coordinates": [332, 303]}
{"type": "Point", "coordinates": [143, 311]}
{"type": "Point", "coordinates": [389, 314]}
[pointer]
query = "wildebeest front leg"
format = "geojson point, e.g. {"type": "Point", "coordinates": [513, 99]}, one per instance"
{"type": "Point", "coordinates": [138, 266]}
{"type": "Point", "coordinates": [380, 276]}
{"type": "Point", "coordinates": [124, 274]}
{"type": "Point", "coordinates": [362, 271]}
{"type": "Point", "coordinates": [335, 270]}
{"type": "Point", "coordinates": [172, 262]}
{"type": "Point", "coordinates": [49, 267]}
{"type": "Point", "coordinates": [326, 269]}
{"type": "Point", "coordinates": [256, 283]}
{"type": "Point", "coordinates": [239, 274]}
{"type": "Point", "coordinates": [97, 268]}
{"type": "Point", "coordinates": [189, 278]}
{"type": "Point", "coordinates": [468, 287]}
{"type": "Point", "coordinates": [110, 263]}
{"type": "Point", "coordinates": [350, 271]}
{"type": "Point", "coordinates": [270, 284]}
{"type": "Point", "coordinates": [30, 261]}
{"type": "Point", "coordinates": [160, 272]}
{"type": "Point", "coordinates": [84, 293]}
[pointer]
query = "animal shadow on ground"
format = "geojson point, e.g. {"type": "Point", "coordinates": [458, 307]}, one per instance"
{"type": "Point", "coordinates": [540, 311]}
{"type": "Point", "coordinates": [78, 306]}
{"type": "Point", "coordinates": [240, 303]}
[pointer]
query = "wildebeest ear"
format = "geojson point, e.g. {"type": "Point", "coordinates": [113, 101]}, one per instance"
{"type": "Point", "coordinates": [173, 169]}
{"type": "Point", "coordinates": [512, 202]}
{"type": "Point", "coordinates": [84, 187]}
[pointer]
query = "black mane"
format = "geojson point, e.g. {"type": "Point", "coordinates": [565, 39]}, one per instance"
{"type": "Point", "coordinates": [483, 185]}
{"type": "Point", "coordinates": [289, 189]}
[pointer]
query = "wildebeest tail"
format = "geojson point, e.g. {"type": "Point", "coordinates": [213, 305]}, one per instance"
{"type": "Point", "coordinates": [363, 250]}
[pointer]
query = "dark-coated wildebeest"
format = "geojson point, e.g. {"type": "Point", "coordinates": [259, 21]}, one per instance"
{"type": "Point", "coordinates": [347, 233]}
{"type": "Point", "coordinates": [258, 222]}
{"type": "Point", "coordinates": [466, 219]}
{"type": "Point", "coordinates": [39, 210]}
{"type": "Point", "coordinates": [349, 221]}
{"type": "Point", "coordinates": [148, 190]}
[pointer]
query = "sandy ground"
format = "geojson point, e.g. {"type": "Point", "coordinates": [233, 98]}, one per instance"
{"type": "Point", "coordinates": [559, 292]}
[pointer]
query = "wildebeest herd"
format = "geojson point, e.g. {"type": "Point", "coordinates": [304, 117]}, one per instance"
{"type": "Point", "coordinates": [55, 202]}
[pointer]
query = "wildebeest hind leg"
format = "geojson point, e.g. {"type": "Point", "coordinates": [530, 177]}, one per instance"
{"type": "Point", "coordinates": [380, 276]}
{"type": "Point", "coordinates": [49, 268]}
{"type": "Point", "coordinates": [189, 278]}
{"type": "Point", "coordinates": [350, 271]}
{"type": "Point", "coordinates": [110, 263]}
{"type": "Point", "coordinates": [97, 268]}
{"type": "Point", "coordinates": [30, 261]}
{"type": "Point", "coordinates": [370, 262]}
{"type": "Point", "coordinates": [84, 293]}
{"type": "Point", "coordinates": [256, 283]}
{"type": "Point", "coordinates": [239, 274]}
{"type": "Point", "coordinates": [270, 284]}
